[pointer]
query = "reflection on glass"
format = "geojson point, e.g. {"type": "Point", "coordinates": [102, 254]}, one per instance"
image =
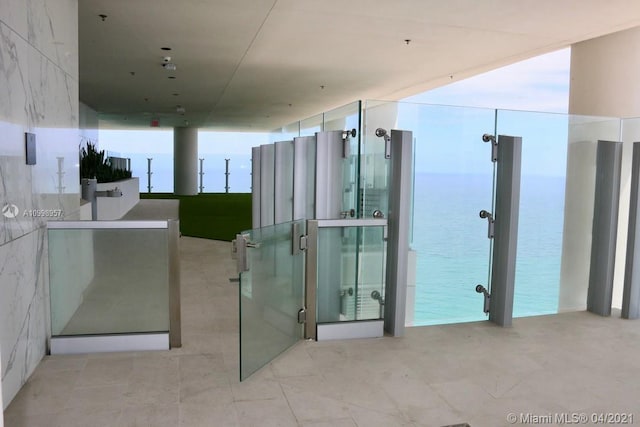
{"type": "Point", "coordinates": [108, 281]}
{"type": "Point", "coordinates": [351, 262]}
{"type": "Point", "coordinates": [271, 293]}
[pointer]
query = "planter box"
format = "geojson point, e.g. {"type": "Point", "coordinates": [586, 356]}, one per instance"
{"type": "Point", "coordinates": [111, 208]}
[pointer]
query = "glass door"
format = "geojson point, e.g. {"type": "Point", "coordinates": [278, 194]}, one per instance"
{"type": "Point", "coordinates": [271, 268]}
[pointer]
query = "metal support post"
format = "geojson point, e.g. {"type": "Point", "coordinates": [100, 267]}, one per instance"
{"type": "Point", "coordinates": [605, 227]}
{"type": "Point", "coordinates": [226, 175]}
{"type": "Point", "coordinates": [149, 173]}
{"type": "Point", "coordinates": [401, 152]}
{"type": "Point", "coordinates": [61, 173]}
{"type": "Point", "coordinates": [201, 175]}
{"type": "Point", "coordinates": [503, 269]}
{"type": "Point", "coordinates": [631, 293]}
{"type": "Point", "coordinates": [255, 187]}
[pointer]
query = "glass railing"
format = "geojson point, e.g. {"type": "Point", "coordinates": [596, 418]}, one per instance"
{"type": "Point", "coordinates": [340, 118]}
{"type": "Point", "coordinates": [454, 180]}
{"type": "Point", "coordinates": [114, 277]}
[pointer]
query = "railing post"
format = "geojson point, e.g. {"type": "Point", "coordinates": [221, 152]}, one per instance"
{"type": "Point", "coordinates": [505, 245]}
{"type": "Point", "coordinates": [631, 293]}
{"type": "Point", "coordinates": [605, 227]}
{"type": "Point", "coordinates": [201, 174]}
{"type": "Point", "coordinates": [226, 175]}
{"type": "Point", "coordinates": [149, 173]}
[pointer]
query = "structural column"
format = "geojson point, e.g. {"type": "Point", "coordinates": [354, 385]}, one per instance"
{"type": "Point", "coordinates": [603, 83]}
{"type": "Point", "coordinates": [185, 161]}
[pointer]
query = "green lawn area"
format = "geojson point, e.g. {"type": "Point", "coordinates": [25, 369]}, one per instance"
{"type": "Point", "coordinates": [216, 216]}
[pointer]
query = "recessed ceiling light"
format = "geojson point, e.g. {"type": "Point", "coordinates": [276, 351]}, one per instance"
{"type": "Point", "coordinates": [165, 48]}
{"type": "Point", "coordinates": [171, 77]}
{"type": "Point", "coordinates": [176, 94]}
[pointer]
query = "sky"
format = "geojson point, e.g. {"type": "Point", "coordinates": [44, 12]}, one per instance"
{"type": "Point", "coordinates": [537, 84]}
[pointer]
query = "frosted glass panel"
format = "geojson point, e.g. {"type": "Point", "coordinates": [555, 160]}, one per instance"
{"type": "Point", "coordinates": [271, 293]}
{"type": "Point", "coordinates": [108, 281]}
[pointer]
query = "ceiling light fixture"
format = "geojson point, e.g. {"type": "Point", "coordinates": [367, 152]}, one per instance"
{"type": "Point", "coordinates": [103, 17]}
{"type": "Point", "coordinates": [171, 77]}
{"type": "Point", "coordinates": [165, 48]}
{"type": "Point", "coordinates": [169, 66]}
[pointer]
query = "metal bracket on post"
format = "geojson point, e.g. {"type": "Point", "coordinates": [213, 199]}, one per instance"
{"type": "Point", "coordinates": [487, 298]}
{"type": "Point", "coordinates": [491, 222]}
{"type": "Point", "coordinates": [494, 146]}
{"type": "Point", "coordinates": [345, 142]}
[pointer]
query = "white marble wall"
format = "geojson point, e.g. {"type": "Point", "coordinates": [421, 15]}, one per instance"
{"type": "Point", "coordinates": [38, 94]}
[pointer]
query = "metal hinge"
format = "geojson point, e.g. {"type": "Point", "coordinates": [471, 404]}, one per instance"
{"type": "Point", "coordinates": [302, 315]}
{"type": "Point", "coordinates": [298, 240]}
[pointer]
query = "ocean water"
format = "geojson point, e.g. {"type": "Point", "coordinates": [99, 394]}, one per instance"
{"type": "Point", "coordinates": [453, 250]}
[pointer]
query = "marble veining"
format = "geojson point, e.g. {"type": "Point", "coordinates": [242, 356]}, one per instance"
{"type": "Point", "coordinates": [14, 15]}
{"type": "Point", "coordinates": [53, 30]}
{"type": "Point", "coordinates": [23, 310]}
{"type": "Point", "coordinates": [13, 77]}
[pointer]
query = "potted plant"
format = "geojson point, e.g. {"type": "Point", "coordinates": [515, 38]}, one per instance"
{"type": "Point", "coordinates": [93, 165]}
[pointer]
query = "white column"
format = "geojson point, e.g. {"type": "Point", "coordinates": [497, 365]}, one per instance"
{"type": "Point", "coordinates": [185, 161]}
{"type": "Point", "coordinates": [603, 83]}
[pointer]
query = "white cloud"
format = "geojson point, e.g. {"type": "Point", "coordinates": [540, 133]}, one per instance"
{"type": "Point", "coordinates": [536, 84]}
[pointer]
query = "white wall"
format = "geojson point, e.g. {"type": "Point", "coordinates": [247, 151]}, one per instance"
{"type": "Point", "coordinates": [39, 93]}
{"type": "Point", "coordinates": [604, 82]}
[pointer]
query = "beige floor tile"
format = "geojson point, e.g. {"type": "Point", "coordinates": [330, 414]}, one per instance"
{"type": "Point", "coordinates": [150, 416]}
{"type": "Point", "coordinates": [199, 415]}
{"type": "Point", "coordinates": [265, 413]}
{"type": "Point", "coordinates": [434, 376]}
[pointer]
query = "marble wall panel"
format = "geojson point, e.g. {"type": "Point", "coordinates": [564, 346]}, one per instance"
{"type": "Point", "coordinates": [53, 31]}
{"type": "Point", "coordinates": [23, 309]}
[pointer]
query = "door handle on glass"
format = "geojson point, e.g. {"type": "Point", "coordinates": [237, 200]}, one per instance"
{"type": "Point", "coordinates": [253, 244]}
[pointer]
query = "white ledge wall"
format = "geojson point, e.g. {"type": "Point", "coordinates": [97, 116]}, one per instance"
{"type": "Point", "coordinates": [39, 93]}
{"type": "Point", "coordinates": [110, 208]}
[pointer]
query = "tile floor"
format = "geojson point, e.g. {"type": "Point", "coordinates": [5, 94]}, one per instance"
{"type": "Point", "coordinates": [472, 373]}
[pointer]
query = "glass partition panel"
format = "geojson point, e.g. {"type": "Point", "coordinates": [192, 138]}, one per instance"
{"type": "Point", "coordinates": [351, 273]}
{"type": "Point", "coordinates": [108, 281]}
{"type": "Point", "coordinates": [346, 117]}
{"type": "Point", "coordinates": [285, 133]}
{"type": "Point", "coordinates": [311, 125]}
{"type": "Point", "coordinates": [453, 181]}
{"type": "Point", "coordinates": [271, 293]}
{"type": "Point", "coordinates": [556, 207]}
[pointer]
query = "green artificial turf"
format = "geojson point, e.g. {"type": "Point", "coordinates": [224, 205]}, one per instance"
{"type": "Point", "coordinates": [216, 216]}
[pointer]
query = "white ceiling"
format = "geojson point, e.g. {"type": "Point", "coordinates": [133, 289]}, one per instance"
{"type": "Point", "coordinates": [260, 64]}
